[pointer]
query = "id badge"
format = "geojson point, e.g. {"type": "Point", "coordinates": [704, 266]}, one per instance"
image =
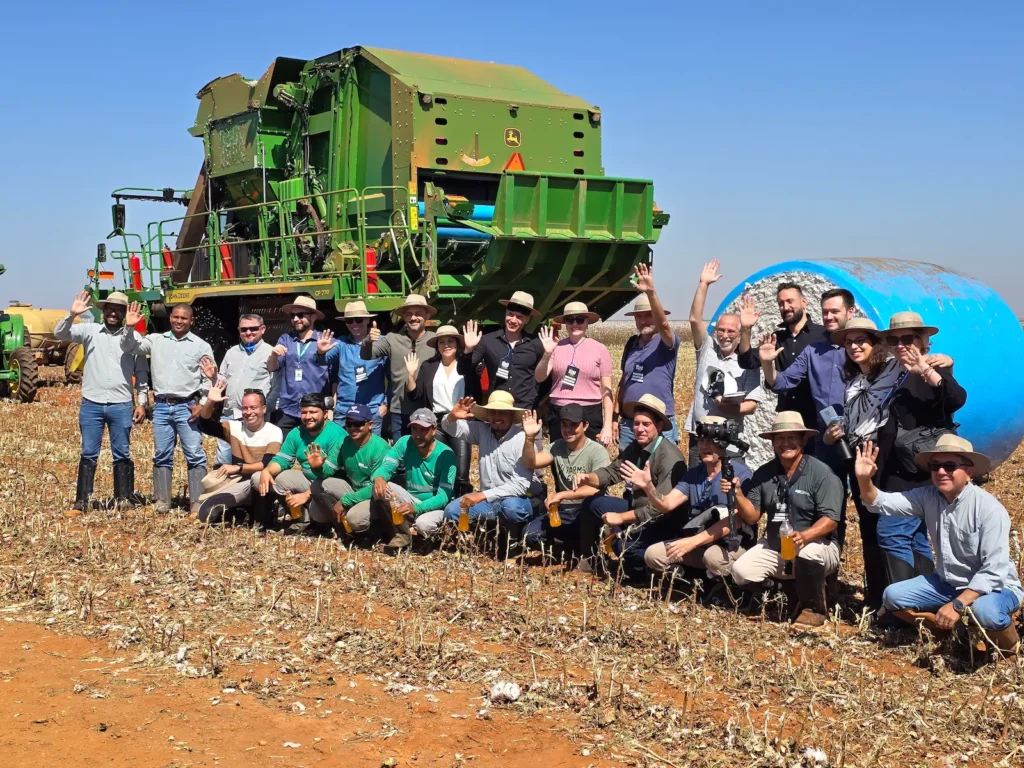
{"type": "Point", "coordinates": [298, 374]}
{"type": "Point", "coordinates": [781, 512]}
{"type": "Point", "coordinates": [361, 374]}
{"type": "Point", "coordinates": [637, 376]}
{"type": "Point", "coordinates": [572, 373]}
{"type": "Point", "coordinates": [503, 370]}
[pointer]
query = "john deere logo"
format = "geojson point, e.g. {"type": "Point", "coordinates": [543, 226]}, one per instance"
{"type": "Point", "coordinates": [512, 137]}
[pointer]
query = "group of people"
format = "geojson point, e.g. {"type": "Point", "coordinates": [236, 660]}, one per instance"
{"type": "Point", "coordinates": [862, 410]}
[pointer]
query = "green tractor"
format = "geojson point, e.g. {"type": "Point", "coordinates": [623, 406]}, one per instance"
{"type": "Point", "coordinates": [370, 173]}
{"type": "Point", "coordinates": [19, 374]}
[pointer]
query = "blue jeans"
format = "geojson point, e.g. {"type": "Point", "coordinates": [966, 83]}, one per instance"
{"type": "Point", "coordinates": [929, 593]}
{"type": "Point", "coordinates": [399, 425]}
{"type": "Point", "coordinates": [626, 432]}
{"type": "Point", "coordinates": [903, 536]}
{"type": "Point", "coordinates": [631, 549]}
{"type": "Point", "coordinates": [511, 509]}
{"type": "Point", "coordinates": [170, 422]}
{"type": "Point", "coordinates": [224, 448]}
{"type": "Point", "coordinates": [117, 418]}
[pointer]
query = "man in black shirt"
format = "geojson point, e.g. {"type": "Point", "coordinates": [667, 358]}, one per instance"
{"type": "Point", "coordinates": [509, 355]}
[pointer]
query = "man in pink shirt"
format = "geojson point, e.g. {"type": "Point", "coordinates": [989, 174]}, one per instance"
{"type": "Point", "coordinates": [581, 372]}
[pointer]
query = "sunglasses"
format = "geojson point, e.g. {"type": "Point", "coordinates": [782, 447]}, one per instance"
{"type": "Point", "coordinates": [354, 320]}
{"type": "Point", "coordinates": [895, 341]}
{"type": "Point", "coordinates": [349, 424]}
{"type": "Point", "coordinates": [860, 341]}
{"type": "Point", "coordinates": [949, 466]}
{"type": "Point", "coordinates": [252, 391]}
{"type": "Point", "coordinates": [575, 319]}
{"type": "Point", "coordinates": [293, 315]}
{"type": "Point", "coordinates": [249, 329]}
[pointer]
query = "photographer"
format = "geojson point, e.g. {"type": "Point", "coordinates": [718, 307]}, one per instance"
{"type": "Point", "coordinates": [721, 386]}
{"type": "Point", "coordinates": [693, 535]}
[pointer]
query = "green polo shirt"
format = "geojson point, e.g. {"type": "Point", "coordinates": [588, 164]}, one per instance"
{"type": "Point", "coordinates": [359, 463]}
{"type": "Point", "coordinates": [298, 440]}
{"type": "Point", "coordinates": [430, 480]}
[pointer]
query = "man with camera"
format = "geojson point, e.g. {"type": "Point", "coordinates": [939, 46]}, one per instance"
{"type": "Point", "coordinates": [704, 534]}
{"type": "Point", "coordinates": [802, 498]}
{"type": "Point", "coordinates": [722, 386]}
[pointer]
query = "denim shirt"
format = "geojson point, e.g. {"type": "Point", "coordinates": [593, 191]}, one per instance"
{"type": "Point", "coordinates": [359, 381]}
{"type": "Point", "coordinates": [822, 365]}
{"type": "Point", "coordinates": [301, 356]}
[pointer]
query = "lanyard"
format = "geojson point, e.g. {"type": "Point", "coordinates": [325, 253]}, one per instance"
{"type": "Point", "coordinates": [655, 448]}
{"type": "Point", "coordinates": [575, 347]}
{"type": "Point", "coordinates": [301, 347]}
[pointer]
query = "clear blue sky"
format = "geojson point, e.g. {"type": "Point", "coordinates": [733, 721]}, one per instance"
{"type": "Point", "coordinates": [773, 130]}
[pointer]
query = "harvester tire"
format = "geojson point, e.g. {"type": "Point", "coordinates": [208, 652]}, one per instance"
{"type": "Point", "coordinates": [23, 387]}
{"type": "Point", "coordinates": [72, 376]}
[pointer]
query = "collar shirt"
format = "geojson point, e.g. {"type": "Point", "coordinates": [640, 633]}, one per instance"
{"type": "Point", "coordinates": [510, 368]}
{"type": "Point", "coordinates": [667, 468]}
{"type": "Point", "coordinates": [970, 536]}
{"type": "Point", "coordinates": [110, 372]}
{"type": "Point", "coordinates": [359, 381]}
{"type": "Point", "coordinates": [747, 381]}
{"type": "Point", "coordinates": [173, 362]}
{"type": "Point", "coordinates": [821, 365]}
{"type": "Point", "coordinates": [244, 370]}
{"type": "Point", "coordinates": [650, 369]}
{"type": "Point", "coordinates": [298, 372]}
{"type": "Point", "coordinates": [396, 345]}
{"type": "Point", "coordinates": [502, 473]}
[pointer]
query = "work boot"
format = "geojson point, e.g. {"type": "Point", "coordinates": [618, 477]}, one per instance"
{"type": "Point", "coordinates": [398, 542]}
{"type": "Point", "coordinates": [810, 591]}
{"type": "Point", "coordinates": [162, 489]}
{"type": "Point", "coordinates": [755, 596]}
{"type": "Point", "coordinates": [83, 490]}
{"type": "Point", "coordinates": [195, 487]}
{"type": "Point", "coordinates": [123, 490]}
{"type": "Point", "coordinates": [1006, 640]}
{"type": "Point", "coordinates": [263, 510]}
{"type": "Point", "coordinates": [134, 496]}
{"type": "Point", "coordinates": [922, 618]}
{"type": "Point", "coordinates": [898, 569]}
{"type": "Point", "coordinates": [923, 566]}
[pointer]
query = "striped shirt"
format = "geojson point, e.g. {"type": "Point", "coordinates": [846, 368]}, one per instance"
{"type": "Point", "coordinates": [593, 360]}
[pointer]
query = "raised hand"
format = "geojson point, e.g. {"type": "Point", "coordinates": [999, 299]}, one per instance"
{"type": "Point", "coordinates": [939, 360]}
{"type": "Point", "coordinates": [710, 274]}
{"type": "Point", "coordinates": [81, 303]}
{"type": "Point", "coordinates": [314, 456]}
{"type": "Point", "coordinates": [412, 365]}
{"type": "Point", "coordinates": [133, 315]}
{"type": "Point", "coordinates": [325, 343]}
{"type": "Point", "coordinates": [865, 465]}
{"type": "Point", "coordinates": [640, 478]}
{"type": "Point", "coordinates": [531, 426]}
{"type": "Point", "coordinates": [216, 395]}
{"type": "Point", "coordinates": [208, 367]}
{"type": "Point", "coordinates": [374, 332]}
{"type": "Point", "coordinates": [769, 350]}
{"type": "Point", "coordinates": [548, 339]}
{"type": "Point", "coordinates": [463, 409]}
{"type": "Point", "coordinates": [748, 313]}
{"type": "Point", "coordinates": [644, 279]}
{"type": "Point", "coordinates": [471, 335]}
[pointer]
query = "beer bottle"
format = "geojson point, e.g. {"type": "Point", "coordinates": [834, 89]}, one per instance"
{"type": "Point", "coordinates": [787, 550]}
{"type": "Point", "coordinates": [554, 519]}
{"type": "Point", "coordinates": [464, 514]}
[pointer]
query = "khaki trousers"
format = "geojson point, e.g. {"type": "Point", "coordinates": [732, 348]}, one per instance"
{"type": "Point", "coordinates": [762, 561]}
{"type": "Point", "coordinates": [714, 558]}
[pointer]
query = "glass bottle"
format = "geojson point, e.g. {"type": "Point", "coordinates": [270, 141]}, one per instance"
{"type": "Point", "coordinates": [787, 550]}
{"type": "Point", "coordinates": [554, 519]}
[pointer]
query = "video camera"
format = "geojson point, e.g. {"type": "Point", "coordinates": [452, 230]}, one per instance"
{"type": "Point", "coordinates": [724, 435]}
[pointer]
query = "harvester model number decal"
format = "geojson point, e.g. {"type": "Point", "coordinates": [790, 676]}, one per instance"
{"type": "Point", "coordinates": [513, 138]}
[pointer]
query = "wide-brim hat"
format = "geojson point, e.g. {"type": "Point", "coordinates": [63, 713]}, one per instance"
{"type": "Point", "coordinates": [117, 298]}
{"type": "Point", "coordinates": [786, 422]}
{"type": "Point", "coordinates": [642, 304]}
{"type": "Point", "coordinates": [500, 400]}
{"type": "Point", "coordinates": [577, 308]}
{"type": "Point", "coordinates": [856, 324]}
{"type": "Point", "coordinates": [415, 301]}
{"type": "Point", "coordinates": [960, 447]}
{"type": "Point", "coordinates": [910, 321]}
{"type": "Point", "coordinates": [303, 303]}
{"type": "Point", "coordinates": [523, 299]}
{"type": "Point", "coordinates": [445, 330]}
{"type": "Point", "coordinates": [355, 309]}
{"type": "Point", "coordinates": [212, 484]}
{"type": "Point", "coordinates": [650, 403]}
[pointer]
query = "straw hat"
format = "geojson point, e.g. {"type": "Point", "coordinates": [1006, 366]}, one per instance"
{"type": "Point", "coordinates": [117, 298]}
{"type": "Point", "coordinates": [212, 484]}
{"type": "Point", "coordinates": [788, 421]}
{"type": "Point", "coordinates": [445, 330]}
{"type": "Point", "coordinates": [577, 308]}
{"type": "Point", "coordinates": [910, 321]}
{"type": "Point", "coordinates": [861, 324]}
{"type": "Point", "coordinates": [500, 400]}
{"type": "Point", "coordinates": [417, 301]}
{"type": "Point", "coordinates": [960, 447]}
{"type": "Point", "coordinates": [649, 403]}
{"type": "Point", "coordinates": [303, 303]}
{"type": "Point", "coordinates": [523, 299]}
{"type": "Point", "coordinates": [355, 309]}
{"type": "Point", "coordinates": [642, 304]}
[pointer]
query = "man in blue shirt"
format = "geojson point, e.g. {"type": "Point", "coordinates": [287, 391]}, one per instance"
{"type": "Point", "coordinates": [295, 358]}
{"type": "Point", "coordinates": [356, 381]}
{"type": "Point", "coordinates": [648, 360]}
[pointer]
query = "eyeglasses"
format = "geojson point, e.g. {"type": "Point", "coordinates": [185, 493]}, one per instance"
{"type": "Point", "coordinates": [860, 341]}
{"type": "Point", "coordinates": [354, 320]}
{"type": "Point", "coordinates": [575, 319]}
{"type": "Point", "coordinates": [949, 466]}
{"type": "Point", "coordinates": [895, 341]}
{"type": "Point", "coordinates": [293, 315]}
{"type": "Point", "coordinates": [349, 424]}
{"type": "Point", "coordinates": [249, 329]}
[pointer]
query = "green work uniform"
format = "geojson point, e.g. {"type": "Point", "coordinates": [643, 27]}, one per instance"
{"type": "Point", "coordinates": [298, 440]}
{"type": "Point", "coordinates": [358, 464]}
{"type": "Point", "coordinates": [429, 480]}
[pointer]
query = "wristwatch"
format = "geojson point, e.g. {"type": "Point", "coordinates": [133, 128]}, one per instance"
{"type": "Point", "coordinates": [958, 606]}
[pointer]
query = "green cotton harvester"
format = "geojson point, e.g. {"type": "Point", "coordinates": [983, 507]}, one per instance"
{"type": "Point", "coordinates": [368, 174]}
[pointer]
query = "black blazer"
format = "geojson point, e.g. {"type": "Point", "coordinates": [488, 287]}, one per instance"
{"type": "Point", "coordinates": [423, 395]}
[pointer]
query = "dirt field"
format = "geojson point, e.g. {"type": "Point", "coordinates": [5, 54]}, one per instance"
{"type": "Point", "coordinates": [129, 639]}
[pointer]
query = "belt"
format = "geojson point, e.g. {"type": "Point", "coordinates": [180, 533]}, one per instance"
{"type": "Point", "coordinates": [172, 400]}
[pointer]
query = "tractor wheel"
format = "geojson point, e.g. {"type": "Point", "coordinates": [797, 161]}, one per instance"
{"type": "Point", "coordinates": [26, 380]}
{"type": "Point", "coordinates": [73, 364]}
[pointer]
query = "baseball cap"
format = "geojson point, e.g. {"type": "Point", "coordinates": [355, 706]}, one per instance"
{"type": "Point", "coordinates": [572, 412]}
{"type": "Point", "coordinates": [358, 412]}
{"type": "Point", "coordinates": [424, 417]}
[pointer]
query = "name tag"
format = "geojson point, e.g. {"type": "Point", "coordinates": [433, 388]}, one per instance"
{"type": "Point", "coordinates": [503, 370]}
{"type": "Point", "coordinates": [298, 374]}
{"type": "Point", "coordinates": [637, 376]}
{"type": "Point", "coordinates": [572, 373]}
{"type": "Point", "coordinates": [361, 375]}
{"type": "Point", "coordinates": [781, 512]}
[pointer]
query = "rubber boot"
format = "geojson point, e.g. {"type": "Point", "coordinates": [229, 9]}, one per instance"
{"type": "Point", "coordinates": [1006, 640]}
{"type": "Point", "coordinates": [195, 487]}
{"type": "Point", "coordinates": [876, 574]}
{"type": "Point", "coordinates": [134, 496]}
{"type": "Point", "coordinates": [590, 530]}
{"type": "Point", "coordinates": [898, 568]}
{"type": "Point", "coordinates": [263, 510]}
{"type": "Point", "coordinates": [122, 485]}
{"type": "Point", "coordinates": [162, 489]}
{"type": "Point", "coordinates": [810, 591]}
{"type": "Point", "coordinates": [83, 490]}
{"type": "Point", "coordinates": [755, 595]}
{"type": "Point", "coordinates": [923, 566]}
{"type": "Point", "coordinates": [508, 542]}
